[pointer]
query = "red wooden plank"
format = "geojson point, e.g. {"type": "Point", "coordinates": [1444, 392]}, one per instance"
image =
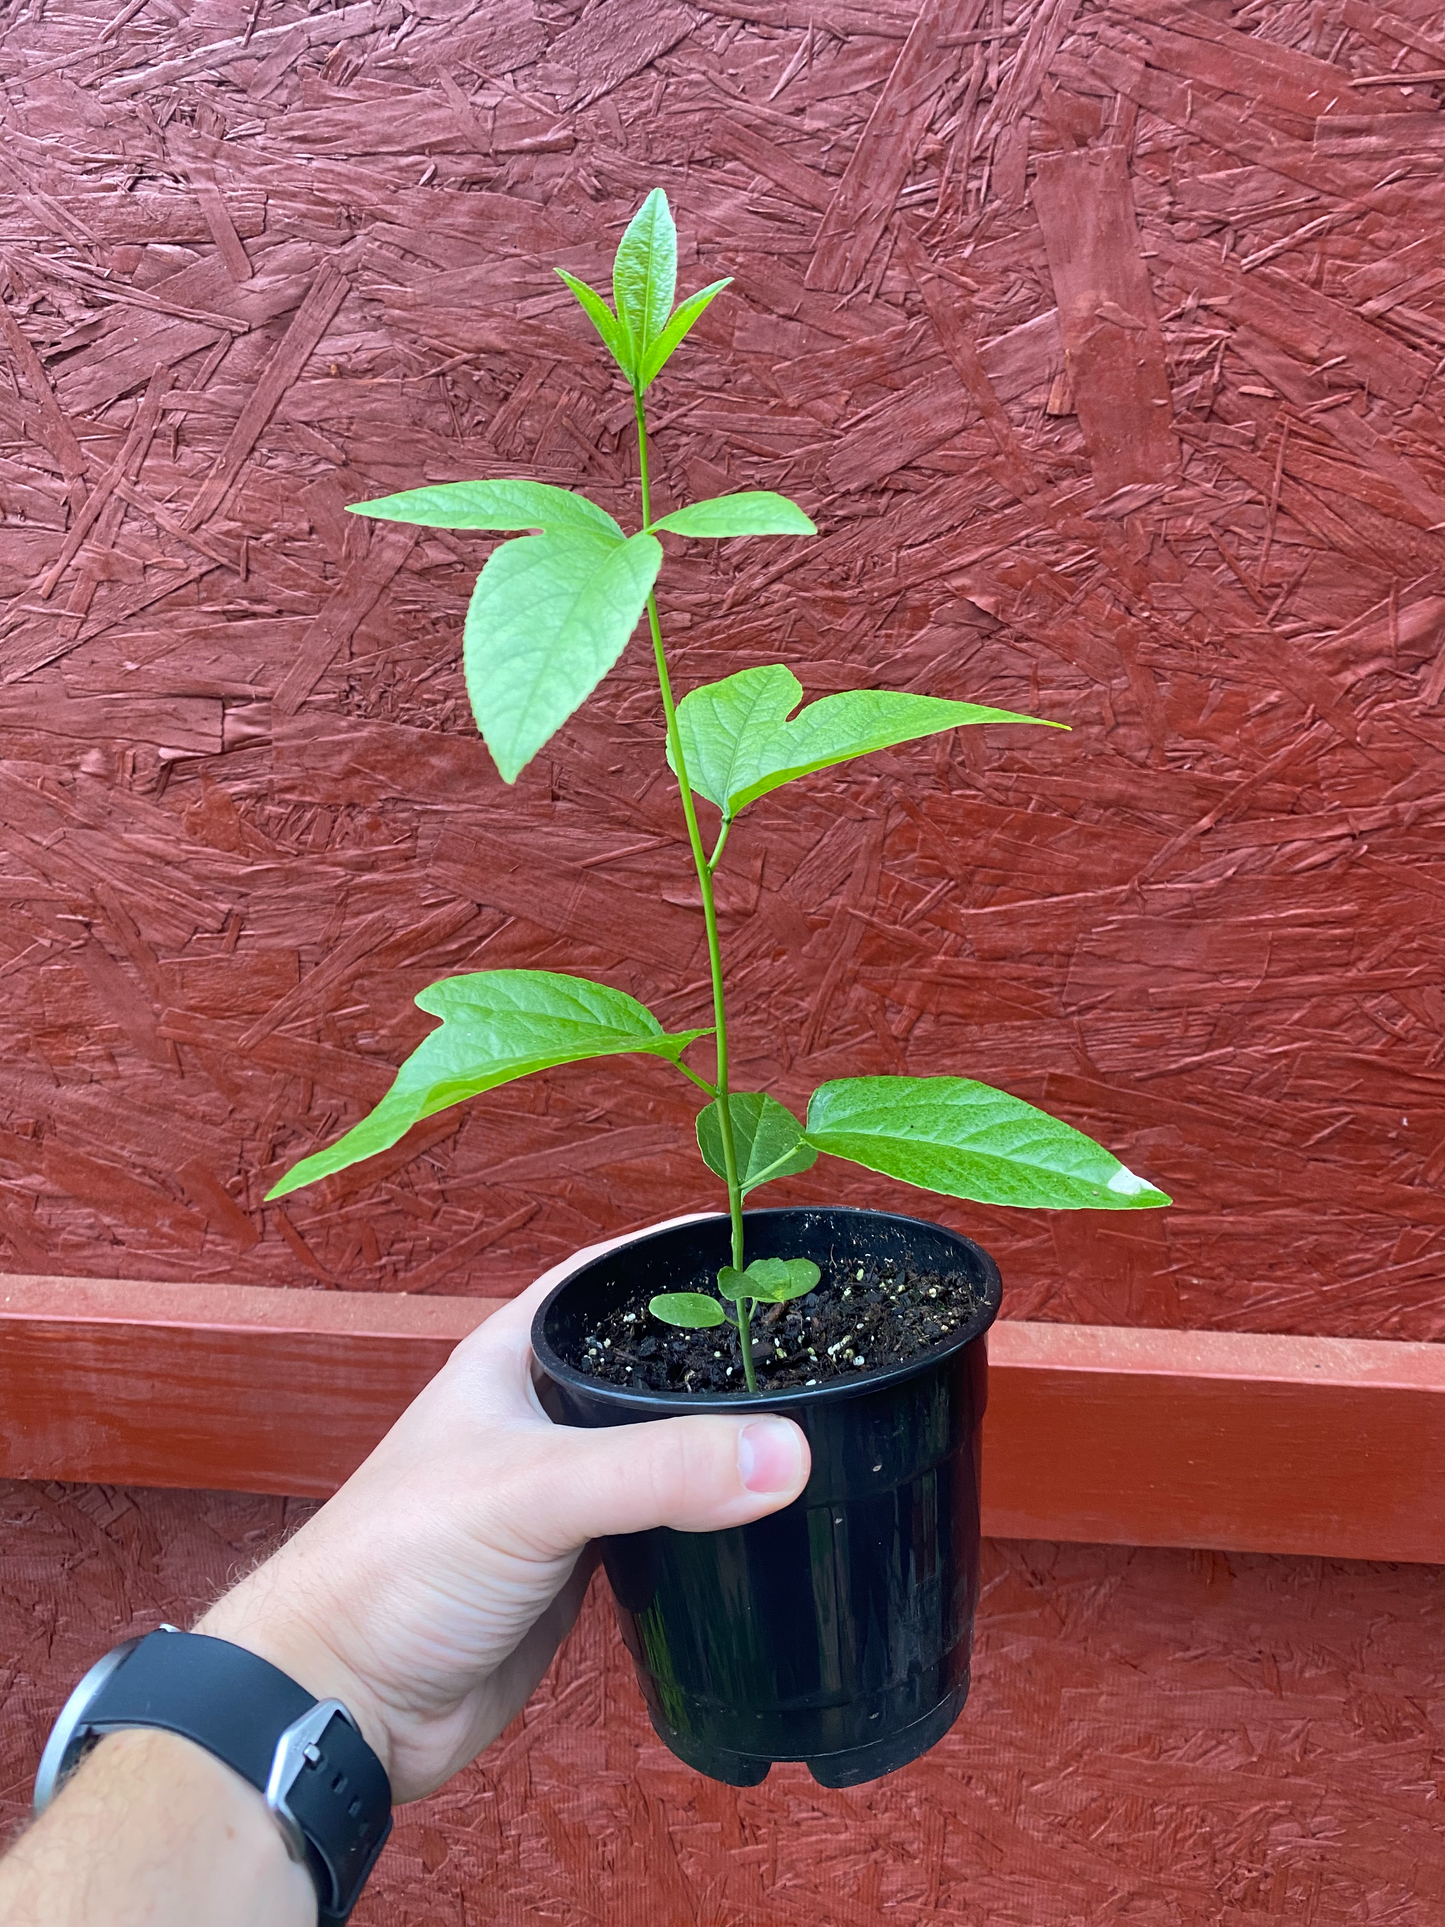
{"type": "Point", "coordinates": [224, 1387]}
{"type": "Point", "coordinates": [1240, 1441]}
{"type": "Point", "coordinates": [1230, 1440]}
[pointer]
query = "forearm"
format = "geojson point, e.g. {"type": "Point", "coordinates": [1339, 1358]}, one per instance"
{"type": "Point", "coordinates": [154, 1832]}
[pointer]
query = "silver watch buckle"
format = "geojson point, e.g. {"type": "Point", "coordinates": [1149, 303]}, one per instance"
{"type": "Point", "coordinates": [296, 1749]}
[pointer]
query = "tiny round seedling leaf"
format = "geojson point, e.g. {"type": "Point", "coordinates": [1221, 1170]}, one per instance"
{"type": "Point", "coordinates": [770, 1281]}
{"type": "Point", "coordinates": [774, 1281]}
{"type": "Point", "coordinates": [693, 1310]}
{"type": "Point", "coordinates": [733, 1284]}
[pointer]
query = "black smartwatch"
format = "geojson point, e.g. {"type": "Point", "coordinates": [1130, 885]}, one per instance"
{"type": "Point", "coordinates": [327, 1789]}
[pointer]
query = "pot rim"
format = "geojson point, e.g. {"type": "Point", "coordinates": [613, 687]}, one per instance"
{"type": "Point", "coordinates": [678, 1404]}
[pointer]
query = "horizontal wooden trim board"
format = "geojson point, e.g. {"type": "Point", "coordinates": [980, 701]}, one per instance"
{"type": "Point", "coordinates": [1131, 1437]}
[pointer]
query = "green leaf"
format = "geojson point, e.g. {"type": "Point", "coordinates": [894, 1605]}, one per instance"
{"type": "Point", "coordinates": [733, 1284]}
{"type": "Point", "coordinates": [968, 1140]}
{"type": "Point", "coordinates": [614, 335]}
{"type": "Point", "coordinates": [548, 618]}
{"type": "Point", "coordinates": [693, 1310]}
{"type": "Point", "coordinates": [677, 329]}
{"type": "Point", "coordinates": [769, 1281]}
{"type": "Point", "coordinates": [502, 504]}
{"type": "Point", "coordinates": [644, 274]}
{"type": "Point", "coordinates": [740, 743]}
{"type": "Point", "coordinates": [496, 1025]}
{"type": "Point", "coordinates": [754, 512]}
{"type": "Point", "coordinates": [775, 1280]}
{"type": "Point", "coordinates": [767, 1139]}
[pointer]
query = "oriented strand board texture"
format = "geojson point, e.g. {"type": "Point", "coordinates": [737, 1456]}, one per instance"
{"type": "Point", "coordinates": [1169, 1738]}
{"type": "Point", "coordinates": [1105, 342]}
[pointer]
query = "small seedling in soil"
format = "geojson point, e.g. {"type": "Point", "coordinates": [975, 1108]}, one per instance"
{"type": "Point", "coordinates": [551, 613]}
{"type": "Point", "coordinates": [766, 1281]}
{"type": "Point", "coordinates": [860, 1316]}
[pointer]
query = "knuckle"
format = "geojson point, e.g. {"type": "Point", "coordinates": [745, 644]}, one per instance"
{"type": "Point", "coordinates": [699, 1465]}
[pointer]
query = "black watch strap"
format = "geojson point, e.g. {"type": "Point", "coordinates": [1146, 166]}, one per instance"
{"type": "Point", "coordinates": [328, 1790]}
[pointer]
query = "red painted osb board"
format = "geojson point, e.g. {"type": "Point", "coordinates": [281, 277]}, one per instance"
{"type": "Point", "coordinates": [1102, 341]}
{"type": "Point", "coordinates": [1156, 1737]}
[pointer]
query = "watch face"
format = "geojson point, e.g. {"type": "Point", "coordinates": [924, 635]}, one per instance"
{"type": "Point", "coordinates": [66, 1745]}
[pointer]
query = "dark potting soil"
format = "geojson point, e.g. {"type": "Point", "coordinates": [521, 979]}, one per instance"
{"type": "Point", "coordinates": [857, 1317]}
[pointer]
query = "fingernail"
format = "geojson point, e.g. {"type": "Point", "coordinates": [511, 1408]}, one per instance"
{"type": "Point", "coordinates": [769, 1455]}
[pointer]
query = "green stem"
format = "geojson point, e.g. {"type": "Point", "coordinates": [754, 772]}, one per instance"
{"type": "Point", "coordinates": [709, 911]}
{"type": "Point", "coordinates": [701, 1082]}
{"type": "Point", "coordinates": [745, 1340]}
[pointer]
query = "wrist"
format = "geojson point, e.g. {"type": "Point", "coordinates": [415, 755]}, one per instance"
{"type": "Point", "coordinates": [292, 1639]}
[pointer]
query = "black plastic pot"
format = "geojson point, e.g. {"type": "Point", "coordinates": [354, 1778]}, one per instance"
{"type": "Point", "coordinates": [838, 1631]}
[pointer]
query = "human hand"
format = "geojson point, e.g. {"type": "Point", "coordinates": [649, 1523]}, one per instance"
{"type": "Point", "coordinates": [431, 1592]}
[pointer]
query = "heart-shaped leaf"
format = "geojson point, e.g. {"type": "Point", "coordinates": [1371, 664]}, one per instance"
{"type": "Point", "coordinates": [768, 1140]}
{"type": "Point", "coordinates": [969, 1140]}
{"type": "Point", "coordinates": [548, 618]}
{"type": "Point", "coordinates": [739, 741]}
{"type": "Point", "coordinates": [677, 329]}
{"type": "Point", "coordinates": [753, 512]}
{"type": "Point", "coordinates": [644, 274]}
{"type": "Point", "coordinates": [774, 1281]}
{"type": "Point", "coordinates": [693, 1310]}
{"type": "Point", "coordinates": [769, 1281]}
{"type": "Point", "coordinates": [503, 504]}
{"type": "Point", "coordinates": [496, 1025]}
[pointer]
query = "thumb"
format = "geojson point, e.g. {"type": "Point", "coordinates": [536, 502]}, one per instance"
{"type": "Point", "coordinates": [694, 1474]}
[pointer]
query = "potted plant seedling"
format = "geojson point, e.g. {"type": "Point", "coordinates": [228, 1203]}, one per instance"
{"type": "Point", "coordinates": [839, 1630]}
